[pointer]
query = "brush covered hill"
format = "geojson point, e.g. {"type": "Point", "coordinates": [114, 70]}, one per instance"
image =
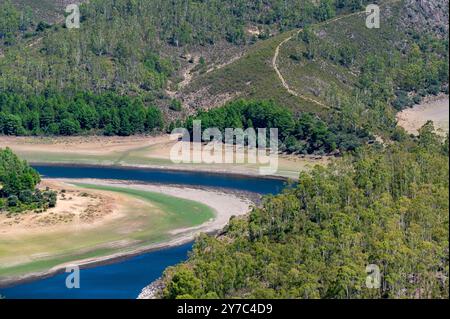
{"type": "Point", "coordinates": [130, 45]}
{"type": "Point", "coordinates": [184, 56]}
{"type": "Point", "coordinates": [326, 63]}
{"type": "Point", "coordinates": [49, 11]}
{"type": "Point", "coordinates": [140, 48]}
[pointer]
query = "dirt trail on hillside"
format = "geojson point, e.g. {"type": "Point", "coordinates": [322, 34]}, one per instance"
{"type": "Point", "coordinates": [188, 74]}
{"type": "Point", "coordinates": [277, 53]}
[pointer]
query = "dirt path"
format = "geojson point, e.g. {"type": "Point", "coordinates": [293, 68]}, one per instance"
{"type": "Point", "coordinates": [277, 53]}
{"type": "Point", "coordinates": [188, 75]}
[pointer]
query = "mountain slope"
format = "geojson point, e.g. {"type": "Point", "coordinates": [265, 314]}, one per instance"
{"type": "Point", "coordinates": [45, 10]}
{"type": "Point", "coordinates": [188, 55]}
{"type": "Point", "coordinates": [323, 62]}
{"type": "Point", "coordinates": [133, 47]}
{"type": "Point", "coordinates": [387, 208]}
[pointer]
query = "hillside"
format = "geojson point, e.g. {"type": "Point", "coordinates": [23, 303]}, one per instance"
{"type": "Point", "coordinates": [322, 64]}
{"type": "Point", "coordinates": [49, 11]}
{"type": "Point", "coordinates": [188, 56]}
{"type": "Point", "coordinates": [383, 207]}
{"type": "Point", "coordinates": [166, 39]}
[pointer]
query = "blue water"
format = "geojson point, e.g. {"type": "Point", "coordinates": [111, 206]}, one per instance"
{"type": "Point", "coordinates": [125, 279]}
{"type": "Point", "coordinates": [122, 280]}
{"type": "Point", "coordinates": [244, 183]}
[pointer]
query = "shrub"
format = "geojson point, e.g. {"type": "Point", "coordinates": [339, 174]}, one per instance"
{"type": "Point", "coordinates": [26, 196]}
{"type": "Point", "coordinates": [69, 127]}
{"type": "Point", "coordinates": [13, 201]}
{"type": "Point", "coordinates": [175, 105]}
{"type": "Point", "coordinates": [51, 198]}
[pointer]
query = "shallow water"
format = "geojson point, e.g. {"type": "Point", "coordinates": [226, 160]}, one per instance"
{"type": "Point", "coordinates": [125, 279]}
{"type": "Point", "coordinates": [122, 280]}
{"type": "Point", "coordinates": [244, 183]}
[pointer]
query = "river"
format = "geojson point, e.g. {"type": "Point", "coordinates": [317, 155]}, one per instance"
{"type": "Point", "coordinates": [125, 279]}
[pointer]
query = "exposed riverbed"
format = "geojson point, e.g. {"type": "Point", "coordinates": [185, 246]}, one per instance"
{"type": "Point", "coordinates": [434, 109]}
{"type": "Point", "coordinates": [126, 278]}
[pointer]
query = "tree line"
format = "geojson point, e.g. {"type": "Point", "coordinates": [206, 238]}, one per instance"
{"type": "Point", "coordinates": [303, 133]}
{"type": "Point", "coordinates": [384, 206]}
{"type": "Point", "coordinates": [57, 114]}
{"type": "Point", "coordinates": [18, 182]}
{"type": "Point", "coordinates": [112, 114]}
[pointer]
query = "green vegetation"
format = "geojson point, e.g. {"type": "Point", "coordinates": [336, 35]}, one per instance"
{"type": "Point", "coordinates": [55, 114]}
{"type": "Point", "coordinates": [132, 47]}
{"type": "Point", "coordinates": [175, 105]}
{"type": "Point", "coordinates": [179, 213]}
{"type": "Point", "coordinates": [363, 76]}
{"type": "Point", "coordinates": [18, 185]}
{"type": "Point", "coordinates": [304, 134]}
{"type": "Point", "coordinates": [145, 221]}
{"type": "Point", "coordinates": [400, 74]}
{"type": "Point", "coordinates": [12, 21]}
{"type": "Point", "coordinates": [250, 77]}
{"type": "Point", "coordinates": [384, 206]}
{"type": "Point", "coordinates": [338, 64]}
{"type": "Point", "coordinates": [42, 11]}
{"type": "Point", "coordinates": [336, 87]}
{"type": "Point", "coordinates": [43, 73]}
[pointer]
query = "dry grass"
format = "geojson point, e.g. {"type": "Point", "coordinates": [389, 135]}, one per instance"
{"type": "Point", "coordinates": [92, 220]}
{"type": "Point", "coordinates": [141, 151]}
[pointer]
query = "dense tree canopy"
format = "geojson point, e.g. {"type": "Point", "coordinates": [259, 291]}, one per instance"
{"type": "Point", "coordinates": [304, 134]}
{"type": "Point", "coordinates": [384, 207]}
{"type": "Point", "coordinates": [15, 175]}
{"type": "Point", "coordinates": [55, 114]}
{"type": "Point", "coordinates": [18, 182]}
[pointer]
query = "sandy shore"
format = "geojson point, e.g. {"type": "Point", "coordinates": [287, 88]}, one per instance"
{"type": "Point", "coordinates": [225, 205]}
{"type": "Point", "coordinates": [434, 109]}
{"type": "Point", "coordinates": [137, 151]}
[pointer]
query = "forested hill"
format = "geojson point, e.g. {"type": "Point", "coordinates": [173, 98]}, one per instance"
{"type": "Point", "coordinates": [384, 207]}
{"type": "Point", "coordinates": [151, 61]}
{"type": "Point", "coordinates": [18, 191]}
{"type": "Point", "coordinates": [129, 45]}
{"type": "Point", "coordinates": [329, 65]}
{"type": "Point", "coordinates": [59, 81]}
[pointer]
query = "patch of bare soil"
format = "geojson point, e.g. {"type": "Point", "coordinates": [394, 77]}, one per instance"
{"type": "Point", "coordinates": [74, 206]}
{"type": "Point", "coordinates": [434, 109]}
{"type": "Point", "coordinates": [89, 145]}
